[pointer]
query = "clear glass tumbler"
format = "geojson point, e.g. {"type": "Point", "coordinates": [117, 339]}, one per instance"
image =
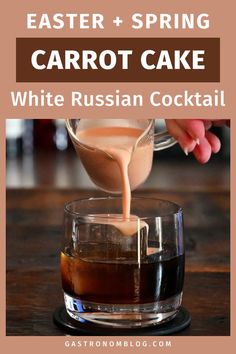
{"type": "Point", "coordinates": [123, 273]}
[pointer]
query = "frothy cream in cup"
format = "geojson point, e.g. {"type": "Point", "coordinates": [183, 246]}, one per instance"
{"type": "Point", "coordinates": [126, 164]}
{"type": "Point", "coordinates": [117, 155]}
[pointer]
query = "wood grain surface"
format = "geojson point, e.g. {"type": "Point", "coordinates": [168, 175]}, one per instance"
{"type": "Point", "coordinates": [34, 233]}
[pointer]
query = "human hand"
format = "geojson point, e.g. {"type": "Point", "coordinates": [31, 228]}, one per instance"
{"type": "Point", "coordinates": [193, 135]}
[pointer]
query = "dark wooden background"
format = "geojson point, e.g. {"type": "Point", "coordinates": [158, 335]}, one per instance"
{"type": "Point", "coordinates": [34, 232]}
{"type": "Point", "coordinates": [38, 187]}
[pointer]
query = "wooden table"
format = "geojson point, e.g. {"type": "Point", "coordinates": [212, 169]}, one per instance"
{"type": "Point", "coordinates": [34, 232]}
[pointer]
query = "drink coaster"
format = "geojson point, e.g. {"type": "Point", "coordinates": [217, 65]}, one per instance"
{"type": "Point", "coordinates": [73, 327]}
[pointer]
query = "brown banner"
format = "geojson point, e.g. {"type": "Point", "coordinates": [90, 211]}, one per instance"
{"type": "Point", "coordinates": [117, 59]}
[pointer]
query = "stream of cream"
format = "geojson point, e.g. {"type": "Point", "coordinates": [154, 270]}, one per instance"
{"type": "Point", "coordinates": [118, 143]}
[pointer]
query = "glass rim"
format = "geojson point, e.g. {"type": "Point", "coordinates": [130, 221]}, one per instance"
{"type": "Point", "coordinates": [146, 130]}
{"type": "Point", "coordinates": [119, 218]}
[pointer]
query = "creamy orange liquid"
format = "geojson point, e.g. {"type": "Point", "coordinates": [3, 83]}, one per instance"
{"type": "Point", "coordinates": [127, 227]}
{"type": "Point", "coordinates": [115, 163]}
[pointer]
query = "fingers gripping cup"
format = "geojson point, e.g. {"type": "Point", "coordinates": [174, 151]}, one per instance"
{"type": "Point", "coordinates": [118, 273]}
